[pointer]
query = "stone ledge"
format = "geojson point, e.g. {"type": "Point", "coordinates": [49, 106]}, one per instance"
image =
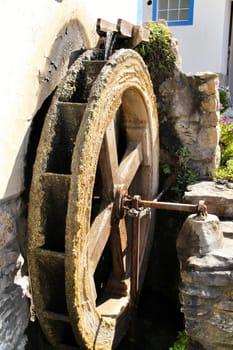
{"type": "Point", "coordinates": [227, 228]}
{"type": "Point", "coordinates": [218, 198]}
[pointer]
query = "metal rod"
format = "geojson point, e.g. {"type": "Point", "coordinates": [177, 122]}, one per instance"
{"type": "Point", "coordinates": [191, 208]}
{"type": "Point", "coordinates": [135, 260]}
{"type": "Point", "coordinates": [135, 263]}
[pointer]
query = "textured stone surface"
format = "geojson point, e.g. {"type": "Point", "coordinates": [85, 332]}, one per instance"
{"type": "Point", "coordinates": [198, 238]}
{"type": "Point", "coordinates": [206, 292]}
{"type": "Point", "coordinates": [14, 309]}
{"type": "Point", "coordinates": [189, 118]}
{"type": "Point", "coordinates": [218, 198]}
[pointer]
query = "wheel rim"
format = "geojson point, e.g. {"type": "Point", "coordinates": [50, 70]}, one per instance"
{"type": "Point", "coordinates": [114, 97]}
{"type": "Point", "coordinates": [121, 117]}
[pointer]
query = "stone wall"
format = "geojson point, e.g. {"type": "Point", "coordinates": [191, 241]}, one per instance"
{"type": "Point", "coordinates": [188, 105]}
{"type": "Point", "coordinates": [189, 117]}
{"type": "Point", "coordinates": [206, 263]}
{"type": "Point", "coordinates": [14, 305]}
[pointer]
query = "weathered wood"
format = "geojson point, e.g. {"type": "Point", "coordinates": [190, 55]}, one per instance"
{"type": "Point", "coordinates": [130, 163]}
{"type": "Point", "coordinates": [118, 244]}
{"type": "Point", "coordinates": [108, 162]}
{"type": "Point", "coordinates": [55, 316]}
{"type": "Point", "coordinates": [102, 27]}
{"type": "Point", "coordinates": [98, 236]}
{"type": "Point", "coordinates": [87, 224]}
{"type": "Point", "coordinates": [125, 28]}
{"type": "Point", "coordinates": [140, 33]}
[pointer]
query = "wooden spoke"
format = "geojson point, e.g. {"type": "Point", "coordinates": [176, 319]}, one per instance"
{"type": "Point", "coordinates": [98, 235]}
{"type": "Point", "coordinates": [123, 240]}
{"type": "Point", "coordinates": [108, 161]}
{"type": "Point", "coordinates": [119, 244]}
{"type": "Point", "coordinates": [130, 163]}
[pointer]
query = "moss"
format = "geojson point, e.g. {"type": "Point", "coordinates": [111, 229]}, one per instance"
{"type": "Point", "coordinates": [159, 53]}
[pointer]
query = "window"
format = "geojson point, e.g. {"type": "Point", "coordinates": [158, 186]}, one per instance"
{"type": "Point", "coordinates": [175, 12]}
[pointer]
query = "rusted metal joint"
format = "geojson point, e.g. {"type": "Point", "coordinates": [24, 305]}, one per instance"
{"type": "Point", "coordinates": [135, 205]}
{"type": "Point", "coordinates": [202, 212]}
{"type": "Point", "coordinates": [120, 210]}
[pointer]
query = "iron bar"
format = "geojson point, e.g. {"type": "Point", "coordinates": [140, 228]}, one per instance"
{"type": "Point", "coordinates": [191, 208]}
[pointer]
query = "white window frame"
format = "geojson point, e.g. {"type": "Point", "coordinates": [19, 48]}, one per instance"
{"type": "Point", "coordinates": [189, 20]}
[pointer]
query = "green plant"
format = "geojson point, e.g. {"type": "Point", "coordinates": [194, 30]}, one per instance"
{"type": "Point", "coordinates": [224, 100]}
{"type": "Point", "coordinates": [225, 172]}
{"type": "Point", "coordinates": [159, 53]}
{"type": "Point", "coordinates": [166, 169]}
{"type": "Point", "coordinates": [226, 139]}
{"type": "Point", "coordinates": [181, 342]}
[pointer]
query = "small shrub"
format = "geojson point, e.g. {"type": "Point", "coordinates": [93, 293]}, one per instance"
{"type": "Point", "coordinates": [159, 53]}
{"type": "Point", "coordinates": [225, 172]}
{"type": "Point", "coordinates": [226, 139]}
{"type": "Point", "coordinates": [181, 342]}
{"type": "Point", "coordinates": [224, 99]}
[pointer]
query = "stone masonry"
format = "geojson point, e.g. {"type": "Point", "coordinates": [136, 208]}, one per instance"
{"type": "Point", "coordinates": [190, 118]}
{"type": "Point", "coordinates": [14, 306]}
{"type": "Point", "coordinates": [205, 252]}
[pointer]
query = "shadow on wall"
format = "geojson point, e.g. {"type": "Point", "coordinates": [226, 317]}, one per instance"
{"type": "Point", "coordinates": [71, 37]}
{"type": "Point", "coordinates": [14, 285]}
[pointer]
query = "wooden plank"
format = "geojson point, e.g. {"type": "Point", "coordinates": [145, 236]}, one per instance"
{"type": "Point", "coordinates": [125, 28]}
{"type": "Point", "coordinates": [118, 245]}
{"type": "Point", "coordinates": [102, 27]}
{"type": "Point", "coordinates": [98, 236]}
{"type": "Point", "coordinates": [130, 163]}
{"type": "Point", "coordinates": [140, 34]}
{"type": "Point", "coordinates": [112, 307]}
{"type": "Point", "coordinates": [45, 253]}
{"type": "Point", "coordinates": [55, 316]}
{"type": "Point", "coordinates": [108, 162]}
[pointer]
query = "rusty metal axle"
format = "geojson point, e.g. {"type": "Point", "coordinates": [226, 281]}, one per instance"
{"type": "Point", "coordinates": [191, 208]}
{"type": "Point", "coordinates": [136, 202]}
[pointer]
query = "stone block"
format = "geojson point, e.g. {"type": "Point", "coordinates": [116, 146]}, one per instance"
{"type": "Point", "coordinates": [206, 293]}
{"type": "Point", "coordinates": [218, 198]}
{"type": "Point", "coordinates": [198, 238]}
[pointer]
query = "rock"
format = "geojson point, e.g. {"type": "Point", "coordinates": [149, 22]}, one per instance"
{"type": "Point", "coordinates": [198, 238]}
{"type": "Point", "coordinates": [227, 228]}
{"type": "Point", "coordinates": [218, 197]}
{"type": "Point", "coordinates": [190, 117]}
{"type": "Point", "coordinates": [206, 293]}
{"type": "Point", "coordinates": [14, 305]}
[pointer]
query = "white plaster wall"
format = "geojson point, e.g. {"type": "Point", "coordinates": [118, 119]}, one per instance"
{"type": "Point", "coordinates": [203, 45]}
{"type": "Point", "coordinates": [112, 10]}
{"type": "Point", "coordinates": [28, 28]}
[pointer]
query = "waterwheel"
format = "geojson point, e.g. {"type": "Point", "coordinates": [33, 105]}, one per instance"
{"type": "Point", "coordinates": [99, 143]}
